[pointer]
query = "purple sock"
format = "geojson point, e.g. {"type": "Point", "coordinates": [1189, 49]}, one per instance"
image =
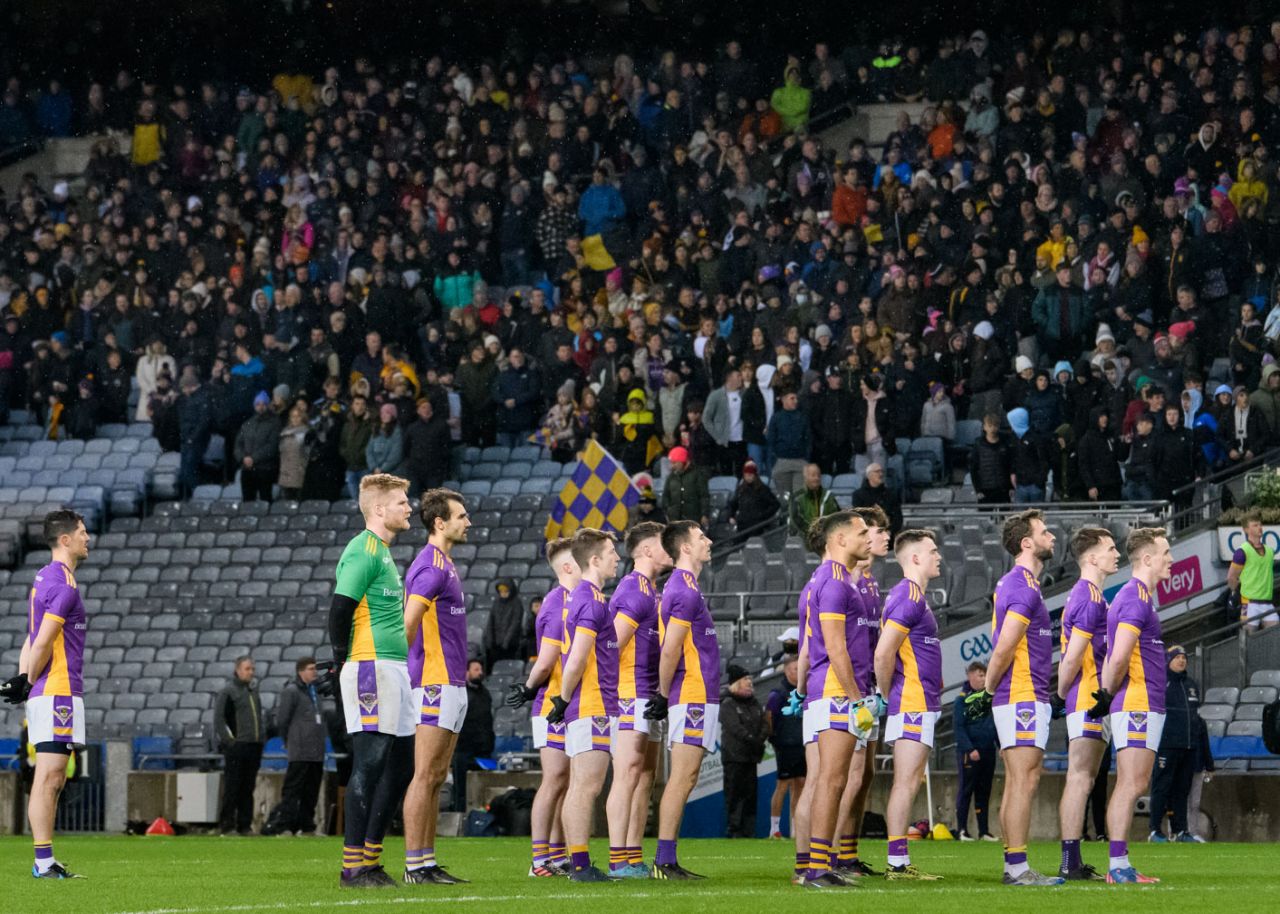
{"type": "Point", "coordinates": [1014, 857]}
{"type": "Point", "coordinates": [44, 852]}
{"type": "Point", "coordinates": [898, 847]}
{"type": "Point", "coordinates": [1119, 849]}
{"type": "Point", "coordinates": [581, 859]}
{"type": "Point", "coordinates": [666, 853]}
{"type": "Point", "coordinates": [1071, 854]}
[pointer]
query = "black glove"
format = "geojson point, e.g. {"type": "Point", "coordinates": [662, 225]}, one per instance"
{"type": "Point", "coordinates": [977, 705]}
{"type": "Point", "coordinates": [15, 690]}
{"type": "Point", "coordinates": [656, 709]}
{"type": "Point", "coordinates": [518, 695]}
{"type": "Point", "coordinates": [1057, 706]}
{"type": "Point", "coordinates": [558, 707]}
{"type": "Point", "coordinates": [1102, 705]}
{"type": "Point", "coordinates": [327, 682]}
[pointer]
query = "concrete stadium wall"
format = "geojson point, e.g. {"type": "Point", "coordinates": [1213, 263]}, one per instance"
{"type": "Point", "coordinates": [1244, 807]}
{"type": "Point", "coordinates": [60, 158]}
{"type": "Point", "coordinates": [872, 123]}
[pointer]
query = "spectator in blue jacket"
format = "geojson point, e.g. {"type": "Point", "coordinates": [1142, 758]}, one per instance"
{"type": "Point", "coordinates": [53, 111]}
{"type": "Point", "coordinates": [601, 206]}
{"type": "Point", "coordinates": [790, 441]}
{"type": "Point", "coordinates": [976, 753]}
{"type": "Point", "coordinates": [517, 394]}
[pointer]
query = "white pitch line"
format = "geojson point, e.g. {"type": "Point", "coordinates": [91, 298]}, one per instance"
{"type": "Point", "coordinates": [709, 891]}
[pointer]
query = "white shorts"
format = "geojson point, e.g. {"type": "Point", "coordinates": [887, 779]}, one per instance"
{"type": "Point", "coordinates": [55, 719]}
{"type": "Point", "coordinates": [588, 734]}
{"type": "Point", "coordinates": [694, 725]}
{"type": "Point", "coordinates": [1253, 611]}
{"type": "Point", "coordinates": [548, 736]}
{"type": "Point", "coordinates": [1023, 724]}
{"type": "Point", "coordinates": [1081, 726]}
{"type": "Point", "coordinates": [833, 714]}
{"type": "Point", "coordinates": [806, 727]}
{"type": "Point", "coordinates": [1137, 729]}
{"type": "Point", "coordinates": [442, 706]}
{"type": "Point", "coordinates": [631, 718]}
{"type": "Point", "coordinates": [377, 697]}
{"type": "Point", "coordinates": [913, 725]}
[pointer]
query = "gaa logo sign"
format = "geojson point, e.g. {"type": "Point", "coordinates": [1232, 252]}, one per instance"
{"type": "Point", "coordinates": [975, 647]}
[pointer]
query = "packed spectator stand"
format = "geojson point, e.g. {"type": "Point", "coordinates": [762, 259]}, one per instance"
{"type": "Point", "coordinates": [464, 272]}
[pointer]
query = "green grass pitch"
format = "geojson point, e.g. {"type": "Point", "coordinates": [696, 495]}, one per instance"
{"type": "Point", "coordinates": [134, 875]}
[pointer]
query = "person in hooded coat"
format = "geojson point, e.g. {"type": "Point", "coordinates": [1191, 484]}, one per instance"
{"type": "Point", "coordinates": [1099, 459]}
{"type": "Point", "coordinates": [1043, 406]}
{"type": "Point", "coordinates": [1178, 460]}
{"type": "Point", "coordinates": [1066, 464]}
{"type": "Point", "coordinates": [1139, 473]}
{"type": "Point", "coordinates": [507, 633]}
{"type": "Point", "coordinates": [1084, 393]}
{"type": "Point", "coordinates": [1030, 460]}
{"type": "Point", "coordinates": [1266, 399]}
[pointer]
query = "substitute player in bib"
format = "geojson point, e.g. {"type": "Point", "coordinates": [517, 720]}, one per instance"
{"type": "Point", "coordinates": [540, 685]}
{"type": "Point", "coordinates": [688, 686]}
{"type": "Point", "coordinates": [1084, 649]}
{"type": "Point", "coordinates": [909, 662]}
{"type": "Point", "coordinates": [838, 647]}
{"type": "Point", "coordinates": [435, 620]}
{"type": "Point", "coordinates": [370, 652]}
{"type": "Point", "coordinates": [588, 699]}
{"type": "Point", "coordinates": [50, 680]}
{"type": "Point", "coordinates": [637, 740]}
{"type": "Point", "coordinates": [853, 803]}
{"type": "Point", "coordinates": [1132, 692]}
{"type": "Point", "coordinates": [1017, 689]}
{"type": "Point", "coordinates": [1252, 574]}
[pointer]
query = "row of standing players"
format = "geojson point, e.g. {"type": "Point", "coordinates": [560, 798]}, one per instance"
{"type": "Point", "coordinates": [608, 672]}
{"type": "Point", "coordinates": [1110, 685]}
{"type": "Point", "coordinates": [400, 655]}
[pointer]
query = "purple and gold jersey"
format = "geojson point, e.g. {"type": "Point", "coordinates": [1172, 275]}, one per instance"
{"type": "Point", "coordinates": [635, 601]}
{"type": "Point", "coordinates": [1085, 615]}
{"type": "Point", "coordinates": [830, 597]}
{"type": "Point", "coordinates": [549, 626]}
{"type": "Point", "coordinates": [1142, 688]}
{"type": "Point", "coordinates": [868, 589]}
{"type": "Point", "coordinates": [438, 653]}
{"type": "Point", "coordinates": [917, 671]}
{"type": "Point", "coordinates": [1027, 677]}
{"type": "Point", "coordinates": [697, 676]}
{"type": "Point", "coordinates": [597, 691]}
{"type": "Point", "coordinates": [54, 595]}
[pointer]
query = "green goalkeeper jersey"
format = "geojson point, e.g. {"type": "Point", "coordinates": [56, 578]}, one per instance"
{"type": "Point", "coordinates": [367, 574]}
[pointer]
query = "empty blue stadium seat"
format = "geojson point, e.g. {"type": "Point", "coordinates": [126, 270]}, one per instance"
{"type": "Point", "coordinates": [273, 755]}
{"type": "Point", "coordinates": [1246, 747]}
{"type": "Point", "coordinates": [152, 745]}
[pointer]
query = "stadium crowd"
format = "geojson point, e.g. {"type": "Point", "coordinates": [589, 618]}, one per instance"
{"type": "Point", "coordinates": [1076, 242]}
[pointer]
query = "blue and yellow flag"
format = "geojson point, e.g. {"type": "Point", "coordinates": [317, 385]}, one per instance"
{"type": "Point", "coordinates": [599, 494]}
{"type": "Point", "coordinates": [596, 255]}
{"type": "Point", "coordinates": [542, 438]}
